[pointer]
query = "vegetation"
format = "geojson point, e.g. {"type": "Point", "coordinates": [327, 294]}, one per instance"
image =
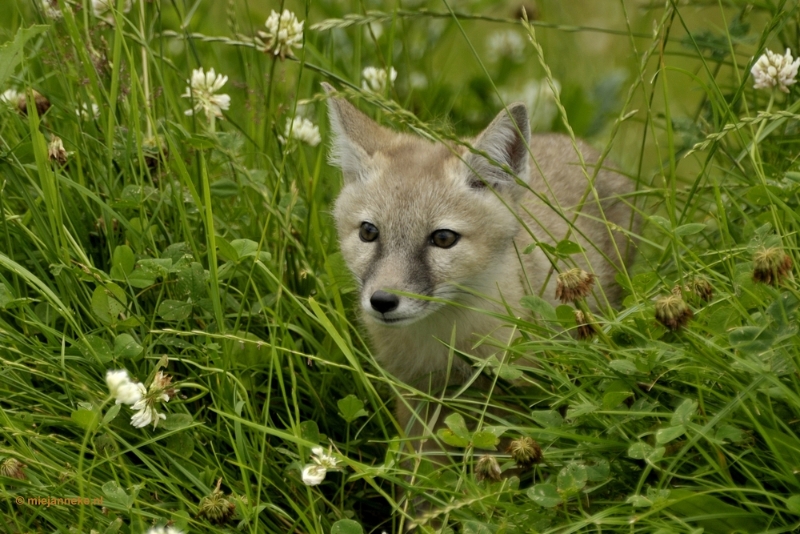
{"type": "Point", "coordinates": [199, 248]}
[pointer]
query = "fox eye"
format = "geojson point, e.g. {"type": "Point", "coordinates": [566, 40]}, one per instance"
{"type": "Point", "coordinates": [444, 238]}
{"type": "Point", "coordinates": [368, 232]}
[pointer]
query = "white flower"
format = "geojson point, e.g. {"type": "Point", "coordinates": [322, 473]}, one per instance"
{"type": "Point", "coordinates": [303, 130]}
{"type": "Point", "coordinates": [375, 80]}
{"type": "Point", "coordinates": [164, 530]}
{"type": "Point", "coordinates": [144, 400]}
{"type": "Point", "coordinates": [103, 9]}
{"type": "Point", "coordinates": [50, 9]}
{"type": "Point", "coordinates": [326, 460]}
{"type": "Point", "coordinates": [375, 28]}
{"type": "Point", "coordinates": [130, 393]}
{"type": "Point", "coordinates": [159, 391]}
{"type": "Point", "coordinates": [775, 70]}
{"type": "Point", "coordinates": [161, 383]}
{"type": "Point", "coordinates": [202, 87]}
{"type": "Point", "coordinates": [11, 97]}
{"type": "Point", "coordinates": [283, 33]}
{"type": "Point", "coordinates": [539, 98]}
{"type": "Point", "coordinates": [313, 474]}
{"type": "Point", "coordinates": [125, 390]}
{"type": "Point", "coordinates": [418, 80]}
{"type": "Point", "coordinates": [146, 413]}
{"type": "Point", "coordinates": [114, 379]}
{"type": "Point", "coordinates": [506, 44]}
{"type": "Point", "coordinates": [56, 151]}
{"type": "Point", "coordinates": [86, 112]}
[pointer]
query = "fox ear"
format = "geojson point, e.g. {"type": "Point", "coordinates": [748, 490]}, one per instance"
{"type": "Point", "coordinates": [356, 137]}
{"type": "Point", "coordinates": [506, 141]}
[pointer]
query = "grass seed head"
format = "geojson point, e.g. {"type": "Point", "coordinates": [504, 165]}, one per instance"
{"type": "Point", "coordinates": [574, 285]}
{"type": "Point", "coordinates": [771, 265]}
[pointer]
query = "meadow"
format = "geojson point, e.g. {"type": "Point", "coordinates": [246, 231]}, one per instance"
{"type": "Point", "coordinates": [175, 224]}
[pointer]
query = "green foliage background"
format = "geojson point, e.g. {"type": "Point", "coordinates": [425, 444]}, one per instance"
{"type": "Point", "coordinates": [162, 244]}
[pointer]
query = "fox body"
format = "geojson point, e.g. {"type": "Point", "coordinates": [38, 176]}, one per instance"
{"type": "Point", "coordinates": [449, 225]}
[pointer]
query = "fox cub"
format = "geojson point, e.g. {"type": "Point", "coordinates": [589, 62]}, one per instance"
{"type": "Point", "coordinates": [448, 224]}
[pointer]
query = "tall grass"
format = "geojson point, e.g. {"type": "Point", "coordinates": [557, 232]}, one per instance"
{"type": "Point", "coordinates": [209, 253]}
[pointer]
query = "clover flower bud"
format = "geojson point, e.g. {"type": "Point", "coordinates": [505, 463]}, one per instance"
{"type": "Point", "coordinates": [672, 311]}
{"type": "Point", "coordinates": [701, 287]}
{"type": "Point", "coordinates": [13, 468]}
{"type": "Point", "coordinates": [525, 451]}
{"type": "Point", "coordinates": [216, 507]}
{"type": "Point", "coordinates": [586, 328]}
{"type": "Point", "coordinates": [487, 468]}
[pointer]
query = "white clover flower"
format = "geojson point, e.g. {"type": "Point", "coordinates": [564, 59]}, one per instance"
{"type": "Point", "coordinates": [50, 9]}
{"type": "Point", "coordinates": [302, 130]}
{"type": "Point", "coordinates": [376, 80]}
{"type": "Point", "coordinates": [144, 401]}
{"type": "Point", "coordinates": [11, 97]}
{"type": "Point", "coordinates": [103, 9]}
{"type": "Point", "coordinates": [115, 379]}
{"type": "Point", "coordinates": [160, 385]}
{"type": "Point", "coordinates": [506, 44]}
{"type": "Point", "coordinates": [56, 151]}
{"type": "Point", "coordinates": [313, 474]}
{"type": "Point", "coordinates": [146, 413]}
{"type": "Point", "coordinates": [164, 530]}
{"type": "Point", "coordinates": [88, 112]}
{"type": "Point", "coordinates": [160, 390]}
{"type": "Point", "coordinates": [284, 32]}
{"type": "Point", "coordinates": [202, 87]}
{"type": "Point", "coordinates": [540, 99]}
{"type": "Point", "coordinates": [123, 388]}
{"type": "Point", "coordinates": [418, 80]}
{"type": "Point", "coordinates": [775, 70]}
{"type": "Point", "coordinates": [375, 28]}
{"type": "Point", "coordinates": [130, 393]}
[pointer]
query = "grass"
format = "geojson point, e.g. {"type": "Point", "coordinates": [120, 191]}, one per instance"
{"type": "Point", "coordinates": [209, 253]}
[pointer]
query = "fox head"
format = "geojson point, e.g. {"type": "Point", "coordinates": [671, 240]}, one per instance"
{"type": "Point", "coordinates": [425, 218]}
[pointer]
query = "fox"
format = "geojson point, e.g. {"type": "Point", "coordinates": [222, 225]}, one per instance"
{"type": "Point", "coordinates": [437, 235]}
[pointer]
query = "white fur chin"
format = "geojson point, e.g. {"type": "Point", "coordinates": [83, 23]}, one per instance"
{"type": "Point", "coordinates": [400, 321]}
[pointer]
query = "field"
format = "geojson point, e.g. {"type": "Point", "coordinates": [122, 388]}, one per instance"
{"type": "Point", "coordinates": [177, 226]}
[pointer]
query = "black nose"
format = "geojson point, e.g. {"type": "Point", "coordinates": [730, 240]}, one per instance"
{"type": "Point", "coordinates": [384, 302]}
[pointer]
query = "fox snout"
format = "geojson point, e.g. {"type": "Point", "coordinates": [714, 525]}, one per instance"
{"type": "Point", "coordinates": [383, 302]}
{"type": "Point", "coordinates": [381, 305]}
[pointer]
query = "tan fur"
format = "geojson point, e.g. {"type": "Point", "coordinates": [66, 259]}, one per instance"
{"type": "Point", "coordinates": [409, 187]}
